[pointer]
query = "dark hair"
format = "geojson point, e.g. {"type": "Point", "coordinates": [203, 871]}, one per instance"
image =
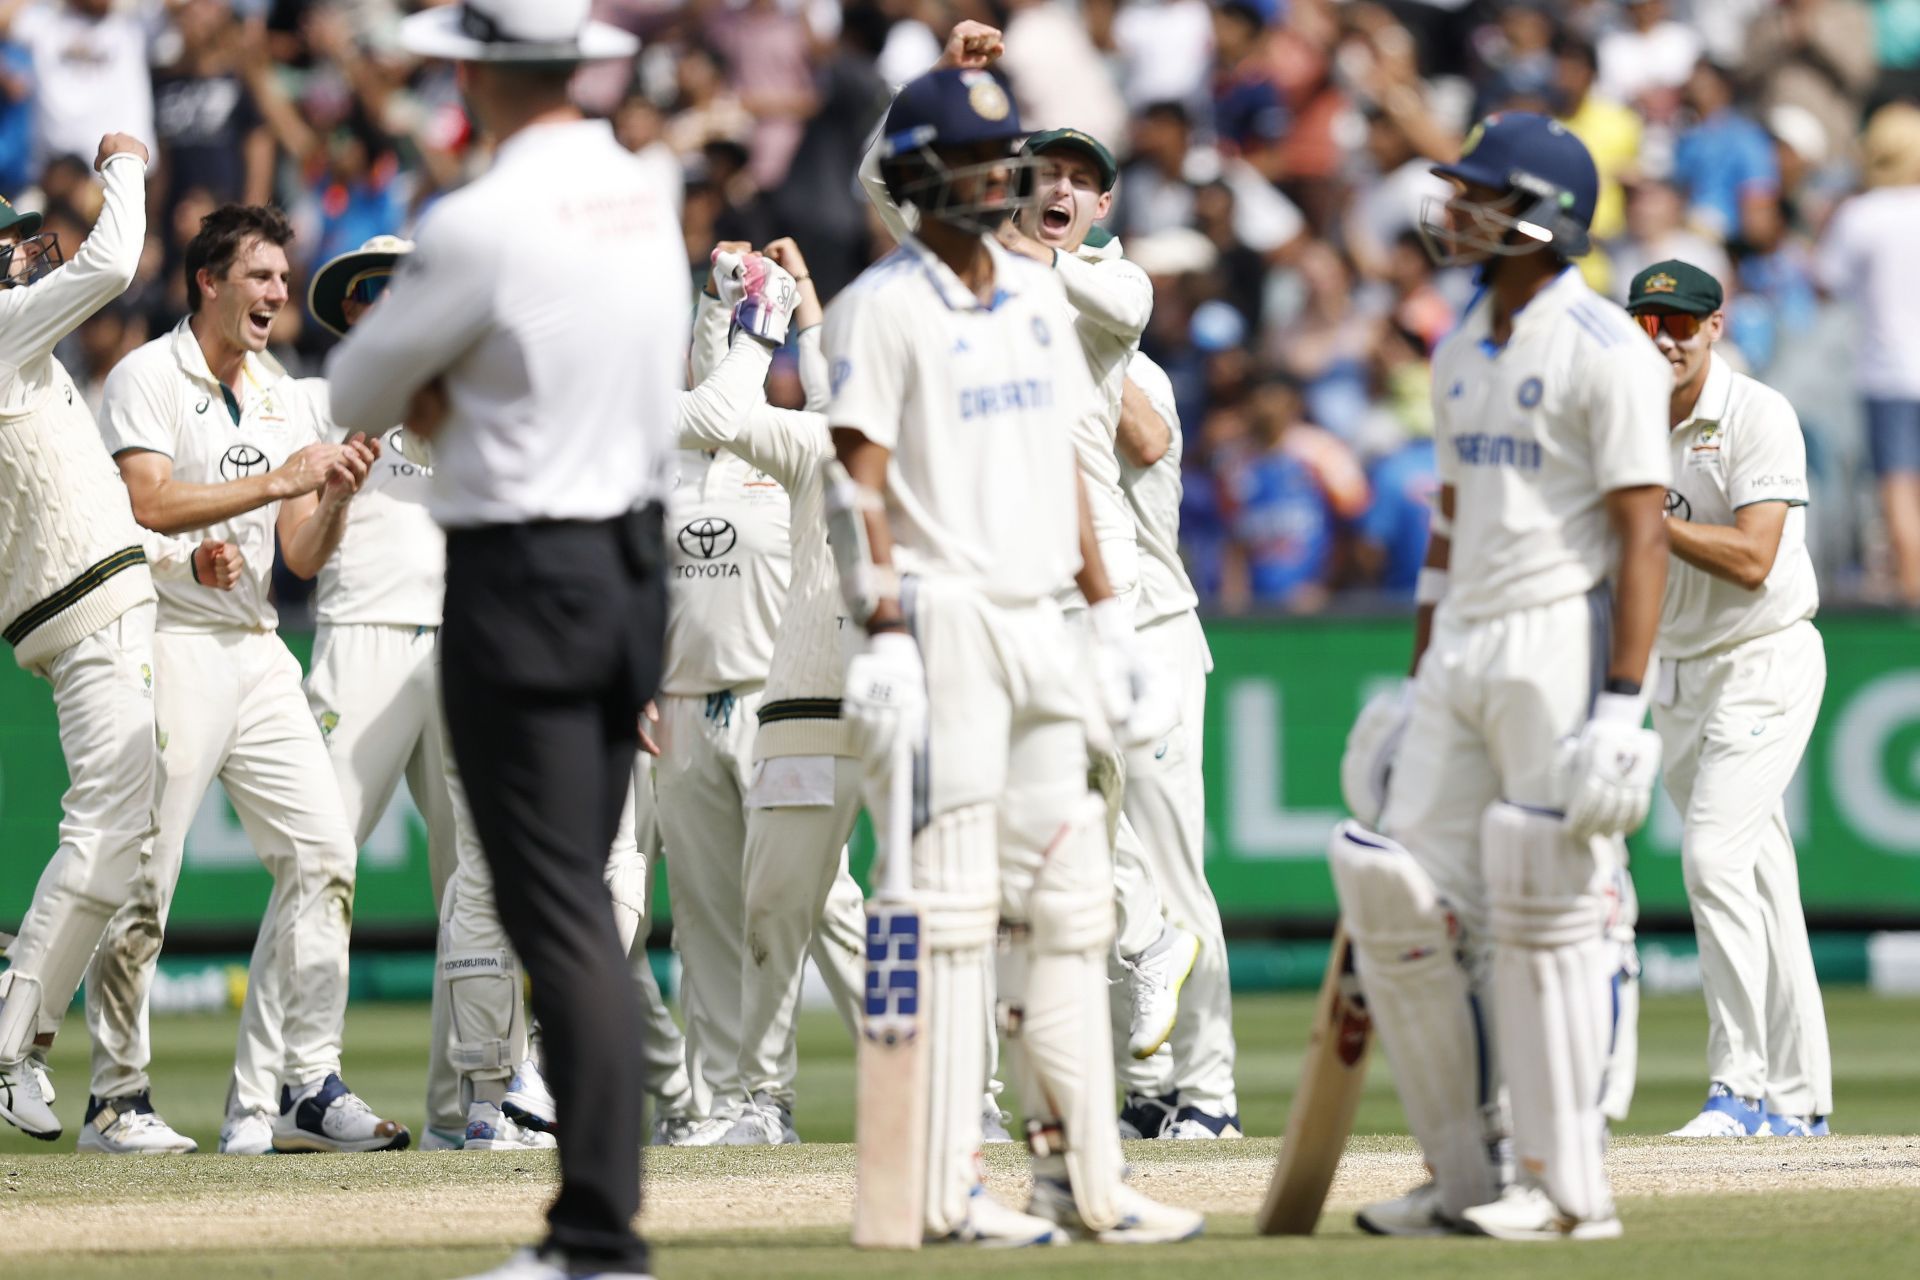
{"type": "Point", "coordinates": [223, 233]}
{"type": "Point", "coordinates": [1171, 112]}
{"type": "Point", "coordinates": [1572, 45]}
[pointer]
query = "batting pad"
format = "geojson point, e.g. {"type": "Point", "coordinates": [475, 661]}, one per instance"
{"type": "Point", "coordinates": [1552, 981]}
{"type": "Point", "coordinates": [484, 1011]}
{"type": "Point", "coordinates": [19, 1014]}
{"type": "Point", "coordinates": [1408, 948]}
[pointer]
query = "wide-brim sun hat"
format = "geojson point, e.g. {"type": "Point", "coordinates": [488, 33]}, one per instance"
{"type": "Point", "coordinates": [327, 292]}
{"type": "Point", "coordinates": [527, 31]}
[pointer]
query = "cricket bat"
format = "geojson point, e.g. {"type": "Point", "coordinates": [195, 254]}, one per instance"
{"type": "Point", "coordinates": [890, 1108]}
{"type": "Point", "coordinates": [1322, 1115]}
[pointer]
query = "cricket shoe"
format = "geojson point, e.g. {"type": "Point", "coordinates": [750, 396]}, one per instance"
{"type": "Point", "coordinates": [1145, 1117]}
{"type": "Point", "coordinates": [709, 1132]}
{"type": "Point", "coordinates": [247, 1134]}
{"type": "Point", "coordinates": [1725, 1115]}
{"type": "Point", "coordinates": [1154, 979]}
{"type": "Point", "coordinates": [441, 1140]}
{"type": "Point", "coordinates": [331, 1117]}
{"type": "Point", "coordinates": [670, 1131]}
{"type": "Point", "coordinates": [992, 1225]}
{"type": "Point", "coordinates": [1198, 1124]}
{"type": "Point", "coordinates": [528, 1102]}
{"type": "Point", "coordinates": [993, 1123]}
{"type": "Point", "coordinates": [491, 1129]}
{"type": "Point", "coordinates": [1528, 1213]}
{"type": "Point", "coordinates": [1417, 1213]}
{"type": "Point", "coordinates": [763, 1122]}
{"type": "Point", "coordinates": [24, 1098]}
{"type": "Point", "coordinates": [535, 1264]}
{"type": "Point", "coordinates": [1785, 1126]}
{"type": "Point", "coordinates": [1140, 1221]}
{"type": "Point", "coordinates": [129, 1126]}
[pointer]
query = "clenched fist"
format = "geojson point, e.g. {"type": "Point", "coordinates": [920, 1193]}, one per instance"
{"type": "Point", "coordinates": [217, 564]}
{"type": "Point", "coordinates": [119, 144]}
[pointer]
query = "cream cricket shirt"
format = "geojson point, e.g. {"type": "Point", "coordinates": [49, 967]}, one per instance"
{"type": "Point", "coordinates": [1153, 495]}
{"type": "Point", "coordinates": [1533, 434]}
{"type": "Point", "coordinates": [163, 398]}
{"type": "Point", "coordinates": [1741, 446]}
{"type": "Point", "coordinates": [727, 548]}
{"type": "Point", "coordinates": [391, 567]}
{"type": "Point", "coordinates": [977, 402]}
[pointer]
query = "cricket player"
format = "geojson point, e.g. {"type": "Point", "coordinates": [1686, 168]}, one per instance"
{"type": "Point", "coordinates": [77, 605]}
{"type": "Point", "coordinates": [374, 691]}
{"type": "Point", "coordinates": [1742, 670]}
{"type": "Point", "coordinates": [211, 434]}
{"type": "Point", "coordinates": [1487, 891]}
{"type": "Point", "coordinates": [955, 529]}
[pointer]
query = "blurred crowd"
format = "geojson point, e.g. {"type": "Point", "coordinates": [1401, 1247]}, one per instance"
{"type": "Point", "coordinates": [1275, 162]}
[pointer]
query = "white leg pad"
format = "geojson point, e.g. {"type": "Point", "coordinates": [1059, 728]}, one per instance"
{"type": "Point", "coordinates": [1551, 899]}
{"type": "Point", "coordinates": [1409, 950]}
{"type": "Point", "coordinates": [19, 1014]}
{"type": "Point", "coordinates": [484, 1012]}
{"type": "Point", "coordinates": [1062, 1055]}
{"type": "Point", "coordinates": [958, 889]}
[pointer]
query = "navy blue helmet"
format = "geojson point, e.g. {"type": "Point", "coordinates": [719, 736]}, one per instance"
{"type": "Point", "coordinates": [933, 117]}
{"type": "Point", "coordinates": [1547, 183]}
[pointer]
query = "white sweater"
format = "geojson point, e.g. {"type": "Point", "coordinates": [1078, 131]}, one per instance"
{"type": "Point", "coordinates": [71, 557]}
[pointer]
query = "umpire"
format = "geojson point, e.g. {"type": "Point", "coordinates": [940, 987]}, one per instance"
{"type": "Point", "coordinates": [542, 366]}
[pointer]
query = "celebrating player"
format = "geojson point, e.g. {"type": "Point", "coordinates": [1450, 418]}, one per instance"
{"type": "Point", "coordinates": [1489, 888]}
{"type": "Point", "coordinates": [1741, 673]}
{"type": "Point", "coordinates": [955, 528]}
{"type": "Point", "coordinates": [76, 604]}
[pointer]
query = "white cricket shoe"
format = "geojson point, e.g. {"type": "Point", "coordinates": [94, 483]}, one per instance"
{"type": "Point", "coordinates": [247, 1134]}
{"type": "Point", "coordinates": [1528, 1213]}
{"type": "Point", "coordinates": [1725, 1115]}
{"type": "Point", "coordinates": [671, 1131]}
{"type": "Point", "coordinates": [1154, 980]}
{"type": "Point", "coordinates": [331, 1117]}
{"type": "Point", "coordinates": [1142, 1221]}
{"type": "Point", "coordinates": [709, 1132]}
{"type": "Point", "coordinates": [129, 1126]}
{"type": "Point", "coordinates": [531, 1264]}
{"type": "Point", "coordinates": [993, 1122]}
{"type": "Point", "coordinates": [1417, 1213]}
{"type": "Point", "coordinates": [528, 1102]}
{"type": "Point", "coordinates": [24, 1096]}
{"type": "Point", "coordinates": [763, 1122]}
{"type": "Point", "coordinates": [1197, 1124]}
{"type": "Point", "coordinates": [992, 1225]}
{"type": "Point", "coordinates": [491, 1129]}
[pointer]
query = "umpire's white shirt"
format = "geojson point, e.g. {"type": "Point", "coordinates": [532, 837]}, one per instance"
{"type": "Point", "coordinates": [1532, 435]}
{"type": "Point", "coordinates": [553, 294]}
{"type": "Point", "coordinates": [164, 399]}
{"type": "Point", "coordinates": [976, 402]}
{"type": "Point", "coordinates": [1741, 446]}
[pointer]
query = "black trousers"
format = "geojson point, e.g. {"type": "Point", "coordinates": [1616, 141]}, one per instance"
{"type": "Point", "coordinates": [550, 647]}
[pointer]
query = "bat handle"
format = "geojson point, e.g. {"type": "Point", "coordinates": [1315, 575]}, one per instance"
{"type": "Point", "coordinates": [898, 881]}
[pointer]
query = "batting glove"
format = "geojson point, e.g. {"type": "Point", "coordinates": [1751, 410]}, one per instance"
{"type": "Point", "coordinates": [1606, 773]}
{"type": "Point", "coordinates": [886, 695]}
{"type": "Point", "coordinates": [1372, 744]}
{"type": "Point", "coordinates": [1138, 704]}
{"type": "Point", "coordinates": [758, 291]}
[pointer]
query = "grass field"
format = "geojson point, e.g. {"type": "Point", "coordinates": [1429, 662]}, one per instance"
{"type": "Point", "coordinates": [1749, 1209]}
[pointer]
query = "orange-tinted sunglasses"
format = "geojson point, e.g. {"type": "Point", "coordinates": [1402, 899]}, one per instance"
{"type": "Point", "coordinates": [1679, 325]}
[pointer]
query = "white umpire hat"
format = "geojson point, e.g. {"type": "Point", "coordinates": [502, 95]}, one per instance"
{"type": "Point", "coordinates": [540, 31]}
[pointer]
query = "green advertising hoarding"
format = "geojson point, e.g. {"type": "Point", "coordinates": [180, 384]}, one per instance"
{"type": "Point", "coordinates": [1281, 698]}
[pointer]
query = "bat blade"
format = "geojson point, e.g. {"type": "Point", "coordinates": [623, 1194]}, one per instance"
{"type": "Point", "coordinates": [1331, 1079]}
{"type": "Point", "coordinates": [891, 1105]}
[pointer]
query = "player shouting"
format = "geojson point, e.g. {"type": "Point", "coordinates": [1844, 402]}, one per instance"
{"type": "Point", "coordinates": [955, 528]}
{"type": "Point", "coordinates": [1488, 890]}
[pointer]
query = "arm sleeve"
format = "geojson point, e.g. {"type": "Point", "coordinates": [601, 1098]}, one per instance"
{"type": "Point", "coordinates": [867, 366]}
{"type": "Point", "coordinates": [1116, 295]}
{"type": "Point", "coordinates": [1627, 385]}
{"type": "Point", "coordinates": [1769, 456]}
{"type": "Point", "coordinates": [711, 324]}
{"type": "Point", "coordinates": [135, 411]}
{"type": "Point", "coordinates": [438, 306]}
{"type": "Point", "coordinates": [35, 318]}
{"type": "Point", "coordinates": [900, 222]}
{"type": "Point", "coordinates": [709, 416]}
{"type": "Point", "coordinates": [169, 559]}
{"type": "Point", "coordinates": [814, 380]}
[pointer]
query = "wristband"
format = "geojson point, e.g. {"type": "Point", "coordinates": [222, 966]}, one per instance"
{"type": "Point", "coordinates": [1430, 586]}
{"type": "Point", "coordinates": [193, 565]}
{"type": "Point", "coordinates": [1624, 687]}
{"type": "Point", "coordinates": [891, 624]}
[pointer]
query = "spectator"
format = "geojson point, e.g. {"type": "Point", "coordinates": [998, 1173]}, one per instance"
{"type": "Point", "coordinates": [1657, 230]}
{"type": "Point", "coordinates": [1059, 79]}
{"type": "Point", "coordinates": [1817, 55]}
{"type": "Point", "coordinates": [1249, 114]}
{"type": "Point", "coordinates": [211, 134]}
{"type": "Point", "coordinates": [1326, 347]}
{"type": "Point", "coordinates": [1389, 202]}
{"type": "Point", "coordinates": [1726, 163]}
{"type": "Point", "coordinates": [1868, 257]}
{"type": "Point", "coordinates": [1392, 538]}
{"type": "Point", "coordinates": [765, 49]}
{"type": "Point", "coordinates": [89, 70]}
{"type": "Point", "coordinates": [1166, 50]}
{"type": "Point", "coordinates": [1610, 130]}
{"type": "Point", "coordinates": [1645, 64]}
{"type": "Point", "coordinates": [16, 118]}
{"type": "Point", "coordinates": [1157, 193]}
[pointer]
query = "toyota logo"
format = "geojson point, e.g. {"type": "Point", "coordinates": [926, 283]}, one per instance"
{"type": "Point", "coordinates": [1677, 505]}
{"type": "Point", "coordinates": [707, 538]}
{"type": "Point", "coordinates": [241, 461]}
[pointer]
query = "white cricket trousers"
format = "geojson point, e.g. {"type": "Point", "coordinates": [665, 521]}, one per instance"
{"type": "Point", "coordinates": [103, 694]}
{"type": "Point", "coordinates": [375, 693]}
{"type": "Point", "coordinates": [799, 899]}
{"type": "Point", "coordinates": [1732, 737]}
{"type": "Point", "coordinates": [1166, 805]}
{"type": "Point", "coordinates": [700, 784]}
{"type": "Point", "coordinates": [228, 705]}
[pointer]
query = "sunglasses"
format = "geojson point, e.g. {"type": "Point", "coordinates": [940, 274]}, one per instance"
{"type": "Point", "coordinates": [367, 289]}
{"type": "Point", "coordinates": [1679, 325]}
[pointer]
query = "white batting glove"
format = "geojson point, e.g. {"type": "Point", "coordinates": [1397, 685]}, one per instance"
{"type": "Point", "coordinates": [886, 694]}
{"type": "Point", "coordinates": [759, 292]}
{"type": "Point", "coordinates": [1372, 744]}
{"type": "Point", "coordinates": [1606, 772]}
{"type": "Point", "coordinates": [1137, 702]}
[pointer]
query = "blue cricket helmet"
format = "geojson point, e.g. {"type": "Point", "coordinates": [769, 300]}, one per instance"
{"type": "Point", "coordinates": [937, 112]}
{"type": "Point", "coordinates": [1538, 161]}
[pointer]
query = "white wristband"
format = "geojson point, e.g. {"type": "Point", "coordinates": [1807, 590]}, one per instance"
{"type": "Point", "coordinates": [1430, 586]}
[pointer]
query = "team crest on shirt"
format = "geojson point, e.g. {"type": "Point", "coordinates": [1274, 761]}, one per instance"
{"type": "Point", "coordinates": [1530, 392]}
{"type": "Point", "coordinates": [329, 721]}
{"type": "Point", "coordinates": [1040, 333]}
{"type": "Point", "coordinates": [837, 375]}
{"type": "Point", "coordinates": [146, 676]}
